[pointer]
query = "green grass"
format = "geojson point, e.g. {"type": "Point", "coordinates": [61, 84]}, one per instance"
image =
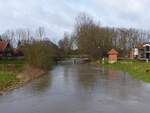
{"type": "Point", "coordinates": [11, 64]}
{"type": "Point", "coordinates": [7, 79]}
{"type": "Point", "coordinates": [7, 76]}
{"type": "Point", "coordinates": [8, 71]}
{"type": "Point", "coordinates": [138, 69]}
{"type": "Point", "coordinates": [11, 61]}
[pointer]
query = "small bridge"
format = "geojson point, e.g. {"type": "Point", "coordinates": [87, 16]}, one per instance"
{"type": "Point", "coordinates": [73, 59]}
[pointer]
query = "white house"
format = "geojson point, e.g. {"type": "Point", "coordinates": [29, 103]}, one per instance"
{"type": "Point", "coordinates": [142, 51]}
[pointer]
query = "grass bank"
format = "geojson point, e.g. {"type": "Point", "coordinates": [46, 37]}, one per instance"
{"type": "Point", "coordinates": [38, 59]}
{"type": "Point", "coordinates": [138, 69]}
{"type": "Point", "coordinates": [15, 73]}
{"type": "Point", "coordinates": [7, 79]}
{"type": "Point", "coordinates": [8, 72]}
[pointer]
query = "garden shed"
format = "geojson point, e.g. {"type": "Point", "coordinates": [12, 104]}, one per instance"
{"type": "Point", "coordinates": [112, 56]}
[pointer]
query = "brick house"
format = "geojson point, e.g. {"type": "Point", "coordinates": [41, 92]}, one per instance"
{"type": "Point", "coordinates": [6, 49]}
{"type": "Point", "coordinates": [112, 56]}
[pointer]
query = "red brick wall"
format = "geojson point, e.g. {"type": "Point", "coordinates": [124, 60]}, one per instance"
{"type": "Point", "coordinates": [112, 57]}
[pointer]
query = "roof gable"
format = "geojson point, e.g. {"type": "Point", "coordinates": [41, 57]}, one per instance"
{"type": "Point", "coordinates": [3, 45]}
{"type": "Point", "coordinates": [142, 45]}
{"type": "Point", "coordinates": [146, 45]}
{"type": "Point", "coordinates": [112, 51]}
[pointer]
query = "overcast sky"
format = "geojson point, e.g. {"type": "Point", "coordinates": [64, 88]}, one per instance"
{"type": "Point", "coordinates": [58, 16]}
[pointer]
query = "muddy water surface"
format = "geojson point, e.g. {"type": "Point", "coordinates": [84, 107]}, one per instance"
{"type": "Point", "coordinates": [79, 89]}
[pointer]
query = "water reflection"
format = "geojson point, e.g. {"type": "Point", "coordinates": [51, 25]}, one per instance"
{"type": "Point", "coordinates": [42, 84]}
{"type": "Point", "coordinates": [86, 80]}
{"type": "Point", "coordinates": [79, 89]}
{"type": "Point", "coordinates": [112, 74]}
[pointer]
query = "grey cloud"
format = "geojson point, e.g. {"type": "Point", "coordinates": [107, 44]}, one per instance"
{"type": "Point", "coordinates": [58, 16]}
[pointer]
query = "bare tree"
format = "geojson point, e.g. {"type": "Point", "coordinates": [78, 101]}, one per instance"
{"type": "Point", "coordinates": [92, 39]}
{"type": "Point", "coordinates": [40, 32]}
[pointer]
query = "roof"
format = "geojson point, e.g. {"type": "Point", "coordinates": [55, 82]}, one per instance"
{"type": "Point", "coordinates": [3, 45]}
{"type": "Point", "coordinates": [112, 51]}
{"type": "Point", "coordinates": [141, 45]}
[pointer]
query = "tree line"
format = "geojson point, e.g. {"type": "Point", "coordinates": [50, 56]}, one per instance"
{"type": "Point", "coordinates": [37, 50]}
{"type": "Point", "coordinates": [88, 37]}
{"type": "Point", "coordinates": [23, 35]}
{"type": "Point", "coordinates": [95, 40]}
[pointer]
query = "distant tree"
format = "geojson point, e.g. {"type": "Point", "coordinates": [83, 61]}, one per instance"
{"type": "Point", "coordinates": [65, 44]}
{"type": "Point", "coordinates": [92, 39]}
{"type": "Point", "coordinates": [40, 32]}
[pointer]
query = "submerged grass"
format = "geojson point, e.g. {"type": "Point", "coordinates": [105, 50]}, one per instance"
{"type": "Point", "coordinates": [138, 69]}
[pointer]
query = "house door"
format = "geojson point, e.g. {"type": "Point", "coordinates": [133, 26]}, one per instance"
{"type": "Point", "coordinates": [147, 55]}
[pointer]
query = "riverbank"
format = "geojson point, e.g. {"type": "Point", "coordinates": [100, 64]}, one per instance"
{"type": "Point", "coordinates": [138, 69]}
{"type": "Point", "coordinates": [20, 79]}
{"type": "Point", "coordinates": [15, 73]}
{"type": "Point", "coordinates": [29, 73]}
{"type": "Point", "coordinates": [8, 72]}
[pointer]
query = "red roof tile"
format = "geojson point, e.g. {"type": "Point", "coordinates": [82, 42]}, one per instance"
{"type": "Point", "coordinates": [3, 45]}
{"type": "Point", "coordinates": [112, 51]}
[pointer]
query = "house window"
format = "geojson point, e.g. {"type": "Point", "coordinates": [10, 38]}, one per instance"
{"type": "Point", "coordinates": [147, 55]}
{"type": "Point", "coordinates": [147, 48]}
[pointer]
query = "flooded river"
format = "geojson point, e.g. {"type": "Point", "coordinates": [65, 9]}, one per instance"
{"type": "Point", "coordinates": [79, 89]}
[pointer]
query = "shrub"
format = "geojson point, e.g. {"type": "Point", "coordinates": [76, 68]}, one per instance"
{"type": "Point", "coordinates": [39, 54]}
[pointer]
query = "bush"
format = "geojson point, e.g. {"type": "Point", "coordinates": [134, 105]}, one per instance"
{"type": "Point", "coordinates": [39, 54]}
